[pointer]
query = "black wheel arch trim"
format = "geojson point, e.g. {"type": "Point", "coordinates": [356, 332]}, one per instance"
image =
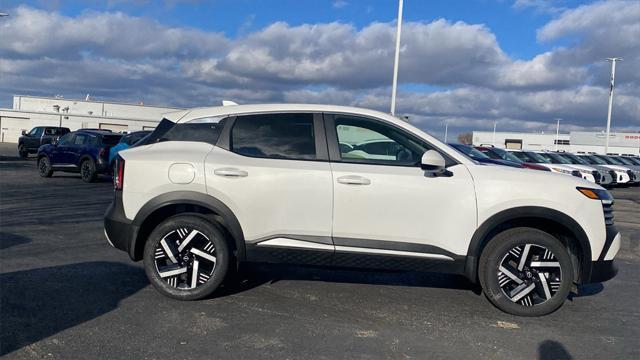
{"type": "Point", "coordinates": [481, 236]}
{"type": "Point", "coordinates": [190, 198]}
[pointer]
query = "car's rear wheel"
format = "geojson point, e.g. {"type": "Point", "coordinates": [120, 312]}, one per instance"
{"type": "Point", "coordinates": [526, 272]}
{"type": "Point", "coordinates": [88, 171]}
{"type": "Point", "coordinates": [44, 167]}
{"type": "Point", "coordinates": [186, 257]}
{"type": "Point", "coordinates": [22, 151]}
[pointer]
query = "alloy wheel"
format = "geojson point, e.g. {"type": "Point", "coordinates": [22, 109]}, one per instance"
{"type": "Point", "coordinates": [185, 258]}
{"type": "Point", "coordinates": [85, 170]}
{"type": "Point", "coordinates": [43, 166]}
{"type": "Point", "coordinates": [529, 274]}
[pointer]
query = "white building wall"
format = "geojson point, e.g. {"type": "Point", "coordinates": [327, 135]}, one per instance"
{"type": "Point", "coordinates": [579, 142]}
{"type": "Point", "coordinates": [29, 111]}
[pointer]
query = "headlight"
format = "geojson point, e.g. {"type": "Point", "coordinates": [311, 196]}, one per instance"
{"type": "Point", "coordinates": [596, 194]}
{"type": "Point", "coordinates": [568, 172]}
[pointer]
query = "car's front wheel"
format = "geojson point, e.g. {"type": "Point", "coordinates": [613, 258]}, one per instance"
{"type": "Point", "coordinates": [44, 167]}
{"type": "Point", "coordinates": [186, 257]}
{"type": "Point", "coordinates": [22, 151]}
{"type": "Point", "coordinates": [526, 272]}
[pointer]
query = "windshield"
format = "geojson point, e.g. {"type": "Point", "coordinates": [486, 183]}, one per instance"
{"type": "Point", "coordinates": [634, 160]}
{"type": "Point", "coordinates": [608, 160]}
{"type": "Point", "coordinates": [505, 155]}
{"type": "Point", "coordinates": [575, 159]}
{"type": "Point", "coordinates": [625, 161]}
{"type": "Point", "coordinates": [522, 156]}
{"type": "Point", "coordinates": [594, 160]}
{"type": "Point", "coordinates": [470, 151]}
{"type": "Point", "coordinates": [536, 158]}
{"type": "Point", "coordinates": [556, 159]}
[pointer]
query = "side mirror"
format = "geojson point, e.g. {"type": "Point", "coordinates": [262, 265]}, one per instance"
{"type": "Point", "coordinates": [24, 132]}
{"type": "Point", "coordinates": [433, 163]}
{"type": "Point", "coordinates": [55, 140]}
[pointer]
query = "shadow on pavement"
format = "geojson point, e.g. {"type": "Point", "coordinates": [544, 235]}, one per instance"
{"type": "Point", "coordinates": [550, 349]}
{"type": "Point", "coordinates": [42, 302]}
{"type": "Point", "coordinates": [8, 240]}
{"type": "Point", "coordinates": [254, 275]}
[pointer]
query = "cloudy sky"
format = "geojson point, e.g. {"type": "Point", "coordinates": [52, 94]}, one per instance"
{"type": "Point", "coordinates": [522, 63]}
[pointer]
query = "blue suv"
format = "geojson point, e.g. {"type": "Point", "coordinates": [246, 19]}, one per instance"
{"type": "Point", "coordinates": [83, 151]}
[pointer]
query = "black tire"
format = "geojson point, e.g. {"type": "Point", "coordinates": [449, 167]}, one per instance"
{"type": "Point", "coordinates": [88, 171]}
{"type": "Point", "coordinates": [199, 280]}
{"type": "Point", "coordinates": [44, 167]}
{"type": "Point", "coordinates": [539, 261]}
{"type": "Point", "coordinates": [22, 151]}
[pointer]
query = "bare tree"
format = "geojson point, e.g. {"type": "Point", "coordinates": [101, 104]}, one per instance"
{"type": "Point", "coordinates": [465, 138]}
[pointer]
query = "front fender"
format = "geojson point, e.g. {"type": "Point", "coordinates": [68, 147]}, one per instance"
{"type": "Point", "coordinates": [481, 236]}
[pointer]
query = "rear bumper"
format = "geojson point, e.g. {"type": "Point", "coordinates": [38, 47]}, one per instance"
{"type": "Point", "coordinates": [119, 231]}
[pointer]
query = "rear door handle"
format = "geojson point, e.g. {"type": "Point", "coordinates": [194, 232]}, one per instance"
{"type": "Point", "coordinates": [230, 172]}
{"type": "Point", "coordinates": [353, 180]}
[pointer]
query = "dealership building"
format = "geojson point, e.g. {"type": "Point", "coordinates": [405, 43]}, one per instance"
{"type": "Point", "coordinates": [575, 141]}
{"type": "Point", "coordinates": [30, 111]}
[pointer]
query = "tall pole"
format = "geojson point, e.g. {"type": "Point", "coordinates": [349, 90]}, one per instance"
{"type": "Point", "coordinates": [494, 133]}
{"type": "Point", "coordinates": [394, 87]}
{"type": "Point", "coordinates": [446, 130]}
{"type": "Point", "coordinates": [613, 79]}
{"type": "Point", "coordinates": [557, 132]}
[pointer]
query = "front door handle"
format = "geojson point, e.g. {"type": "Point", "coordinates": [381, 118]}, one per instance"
{"type": "Point", "coordinates": [353, 180]}
{"type": "Point", "coordinates": [230, 172]}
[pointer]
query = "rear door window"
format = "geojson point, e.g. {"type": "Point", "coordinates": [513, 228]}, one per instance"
{"type": "Point", "coordinates": [276, 136]}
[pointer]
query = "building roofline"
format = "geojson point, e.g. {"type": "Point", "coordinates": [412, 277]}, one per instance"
{"type": "Point", "coordinates": [97, 101]}
{"type": "Point", "coordinates": [76, 115]}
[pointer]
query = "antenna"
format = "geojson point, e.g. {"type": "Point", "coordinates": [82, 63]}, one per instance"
{"type": "Point", "coordinates": [228, 103]}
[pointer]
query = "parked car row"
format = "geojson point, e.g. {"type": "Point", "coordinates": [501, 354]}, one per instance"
{"type": "Point", "coordinates": [605, 170]}
{"type": "Point", "coordinates": [88, 151]}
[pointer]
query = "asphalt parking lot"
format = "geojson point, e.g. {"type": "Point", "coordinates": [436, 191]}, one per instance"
{"type": "Point", "coordinates": [65, 293]}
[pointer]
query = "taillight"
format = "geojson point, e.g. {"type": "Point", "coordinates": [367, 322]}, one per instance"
{"type": "Point", "coordinates": [118, 175]}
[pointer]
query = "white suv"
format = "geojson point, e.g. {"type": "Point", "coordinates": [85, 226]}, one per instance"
{"type": "Point", "coordinates": [213, 187]}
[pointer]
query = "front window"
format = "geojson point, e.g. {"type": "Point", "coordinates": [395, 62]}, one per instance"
{"type": "Point", "coordinates": [36, 132]}
{"type": "Point", "coordinates": [372, 142]}
{"type": "Point", "coordinates": [275, 136]}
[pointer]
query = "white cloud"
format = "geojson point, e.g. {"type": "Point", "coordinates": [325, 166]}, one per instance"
{"type": "Point", "coordinates": [117, 56]}
{"type": "Point", "coordinates": [339, 4]}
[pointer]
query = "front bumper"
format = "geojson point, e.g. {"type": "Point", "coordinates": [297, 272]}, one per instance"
{"type": "Point", "coordinates": [119, 231]}
{"type": "Point", "coordinates": [601, 269]}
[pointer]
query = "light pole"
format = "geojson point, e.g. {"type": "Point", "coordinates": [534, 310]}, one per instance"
{"type": "Point", "coordinates": [494, 133]}
{"type": "Point", "coordinates": [557, 132]}
{"type": "Point", "coordinates": [446, 130]}
{"type": "Point", "coordinates": [613, 61]}
{"type": "Point", "coordinates": [394, 86]}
